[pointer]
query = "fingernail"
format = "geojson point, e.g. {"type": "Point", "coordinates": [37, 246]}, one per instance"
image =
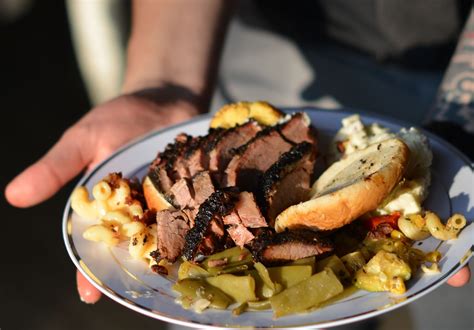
{"type": "Point", "coordinates": [85, 299]}
{"type": "Point", "coordinates": [89, 296]}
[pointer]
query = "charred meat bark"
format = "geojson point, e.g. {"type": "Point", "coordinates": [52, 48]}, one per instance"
{"type": "Point", "coordinates": [172, 227]}
{"type": "Point", "coordinates": [287, 182]}
{"type": "Point", "coordinates": [197, 154]}
{"type": "Point", "coordinates": [162, 171]}
{"type": "Point", "coordinates": [160, 179]}
{"type": "Point", "coordinates": [208, 235]}
{"type": "Point", "coordinates": [222, 148]}
{"type": "Point", "coordinates": [271, 249]}
{"type": "Point", "coordinates": [255, 157]}
{"type": "Point", "coordinates": [189, 194]}
{"type": "Point", "coordinates": [175, 167]}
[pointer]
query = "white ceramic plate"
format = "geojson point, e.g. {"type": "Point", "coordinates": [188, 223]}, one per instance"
{"type": "Point", "coordinates": [133, 285]}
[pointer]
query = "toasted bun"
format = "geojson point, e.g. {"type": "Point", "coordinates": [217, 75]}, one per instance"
{"type": "Point", "coordinates": [349, 188]}
{"type": "Point", "coordinates": [154, 198]}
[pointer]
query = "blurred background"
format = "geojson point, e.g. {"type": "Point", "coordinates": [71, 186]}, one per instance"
{"type": "Point", "coordinates": [48, 82]}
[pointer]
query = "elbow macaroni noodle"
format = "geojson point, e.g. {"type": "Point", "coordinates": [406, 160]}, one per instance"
{"type": "Point", "coordinates": [118, 216]}
{"type": "Point", "coordinates": [444, 232]}
{"type": "Point", "coordinates": [417, 227]}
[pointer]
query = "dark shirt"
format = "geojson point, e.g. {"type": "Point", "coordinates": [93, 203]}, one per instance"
{"type": "Point", "coordinates": [414, 33]}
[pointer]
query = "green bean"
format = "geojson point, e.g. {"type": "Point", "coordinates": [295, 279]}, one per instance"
{"type": "Point", "coordinates": [240, 309]}
{"type": "Point", "coordinates": [337, 266]}
{"type": "Point", "coordinates": [261, 290]}
{"type": "Point", "coordinates": [264, 275]}
{"type": "Point", "coordinates": [240, 288]}
{"type": "Point", "coordinates": [194, 289]}
{"type": "Point", "coordinates": [306, 294]}
{"type": "Point", "coordinates": [228, 270]}
{"type": "Point", "coordinates": [290, 275]}
{"type": "Point", "coordinates": [189, 270]}
{"type": "Point", "coordinates": [231, 257]}
{"type": "Point", "coordinates": [353, 261]}
{"type": "Point", "coordinates": [311, 261]}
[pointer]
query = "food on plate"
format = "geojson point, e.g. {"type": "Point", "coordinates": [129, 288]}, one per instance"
{"type": "Point", "coordinates": [154, 198]}
{"type": "Point", "coordinates": [384, 272]}
{"type": "Point", "coordinates": [349, 188]}
{"type": "Point", "coordinates": [307, 294]}
{"type": "Point", "coordinates": [239, 211]}
{"type": "Point", "coordinates": [235, 114]}
{"type": "Point", "coordinates": [454, 224]}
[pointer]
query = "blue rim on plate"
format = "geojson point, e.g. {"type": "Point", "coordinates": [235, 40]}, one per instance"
{"type": "Point", "coordinates": [144, 301]}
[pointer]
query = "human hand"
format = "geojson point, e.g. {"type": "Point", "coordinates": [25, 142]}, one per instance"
{"type": "Point", "coordinates": [461, 278]}
{"type": "Point", "coordinates": [94, 137]}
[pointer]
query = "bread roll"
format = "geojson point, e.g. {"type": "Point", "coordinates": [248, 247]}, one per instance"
{"type": "Point", "coordinates": [349, 188]}
{"type": "Point", "coordinates": [154, 198]}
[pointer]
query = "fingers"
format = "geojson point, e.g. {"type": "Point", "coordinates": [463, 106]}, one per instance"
{"type": "Point", "coordinates": [87, 292]}
{"type": "Point", "coordinates": [460, 278]}
{"type": "Point", "coordinates": [44, 178]}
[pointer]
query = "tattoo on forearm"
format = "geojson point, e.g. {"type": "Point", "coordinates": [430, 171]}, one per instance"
{"type": "Point", "coordinates": [455, 99]}
{"type": "Point", "coordinates": [458, 82]}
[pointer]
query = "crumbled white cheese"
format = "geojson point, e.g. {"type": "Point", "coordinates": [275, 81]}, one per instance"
{"type": "Point", "coordinates": [421, 157]}
{"type": "Point", "coordinates": [354, 135]}
{"type": "Point", "coordinates": [406, 198]}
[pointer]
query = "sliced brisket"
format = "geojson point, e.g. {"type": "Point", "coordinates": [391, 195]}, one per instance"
{"type": "Point", "coordinates": [222, 149]}
{"type": "Point", "coordinates": [197, 155]}
{"type": "Point", "coordinates": [175, 167]}
{"type": "Point", "coordinates": [245, 215]}
{"type": "Point", "coordinates": [255, 157]}
{"type": "Point", "coordinates": [298, 129]}
{"type": "Point", "coordinates": [248, 211]}
{"type": "Point", "coordinates": [182, 194]}
{"type": "Point", "coordinates": [240, 234]}
{"type": "Point", "coordinates": [160, 179]}
{"type": "Point", "coordinates": [232, 218]}
{"type": "Point", "coordinates": [189, 194]}
{"type": "Point", "coordinates": [172, 227]}
{"type": "Point", "coordinates": [207, 235]}
{"type": "Point", "coordinates": [203, 187]}
{"type": "Point", "coordinates": [163, 171]}
{"type": "Point", "coordinates": [271, 249]}
{"type": "Point", "coordinates": [287, 182]}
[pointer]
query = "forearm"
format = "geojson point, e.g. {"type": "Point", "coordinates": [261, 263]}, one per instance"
{"type": "Point", "coordinates": [455, 99]}
{"type": "Point", "coordinates": [177, 43]}
{"type": "Point", "coordinates": [455, 85]}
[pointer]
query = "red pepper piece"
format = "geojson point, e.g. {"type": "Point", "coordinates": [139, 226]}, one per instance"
{"type": "Point", "coordinates": [391, 219]}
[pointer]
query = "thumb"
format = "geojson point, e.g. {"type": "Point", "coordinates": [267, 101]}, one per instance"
{"type": "Point", "coordinates": [87, 292]}
{"type": "Point", "coordinates": [43, 179]}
